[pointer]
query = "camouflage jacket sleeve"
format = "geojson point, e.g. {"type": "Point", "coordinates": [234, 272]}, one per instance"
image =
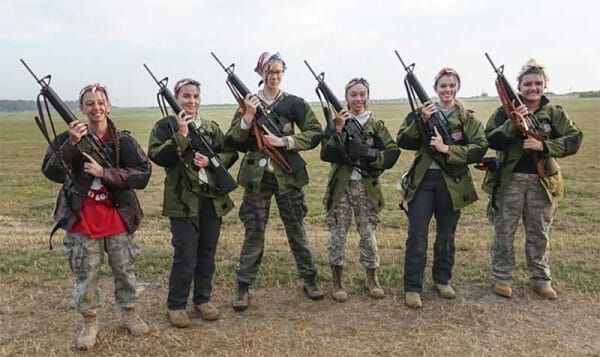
{"type": "Point", "coordinates": [134, 168]}
{"type": "Point", "coordinates": [475, 147]}
{"type": "Point", "coordinates": [227, 154]}
{"type": "Point", "coordinates": [500, 130]}
{"type": "Point", "coordinates": [388, 151]}
{"type": "Point", "coordinates": [566, 136]}
{"type": "Point", "coordinates": [332, 149]}
{"type": "Point", "coordinates": [310, 129]}
{"type": "Point", "coordinates": [408, 136]}
{"type": "Point", "coordinates": [162, 148]}
{"type": "Point", "coordinates": [238, 137]}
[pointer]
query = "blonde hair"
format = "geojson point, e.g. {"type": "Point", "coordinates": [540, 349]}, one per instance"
{"type": "Point", "coordinates": [532, 67]}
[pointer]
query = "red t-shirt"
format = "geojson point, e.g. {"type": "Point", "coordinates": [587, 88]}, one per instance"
{"type": "Point", "coordinates": [98, 217]}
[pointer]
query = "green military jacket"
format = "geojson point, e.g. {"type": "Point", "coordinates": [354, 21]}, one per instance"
{"type": "Point", "coordinates": [469, 147]}
{"type": "Point", "coordinates": [293, 112]}
{"type": "Point", "coordinates": [562, 138]}
{"type": "Point", "coordinates": [171, 150]}
{"type": "Point", "coordinates": [332, 150]}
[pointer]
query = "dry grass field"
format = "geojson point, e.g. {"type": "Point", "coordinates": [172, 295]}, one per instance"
{"type": "Point", "coordinates": [37, 318]}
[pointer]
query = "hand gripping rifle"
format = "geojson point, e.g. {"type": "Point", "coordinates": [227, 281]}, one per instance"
{"type": "Point", "coordinates": [225, 182]}
{"type": "Point", "coordinates": [89, 144]}
{"type": "Point", "coordinates": [528, 124]}
{"type": "Point", "coordinates": [265, 119]}
{"type": "Point", "coordinates": [438, 120]}
{"type": "Point", "coordinates": [352, 128]}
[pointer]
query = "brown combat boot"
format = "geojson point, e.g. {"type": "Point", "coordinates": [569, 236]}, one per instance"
{"type": "Point", "coordinates": [445, 290]}
{"type": "Point", "coordinates": [179, 318]}
{"type": "Point", "coordinates": [338, 293]}
{"type": "Point", "coordinates": [89, 331]}
{"type": "Point", "coordinates": [375, 291]}
{"type": "Point", "coordinates": [546, 292]}
{"type": "Point", "coordinates": [133, 322]}
{"type": "Point", "coordinates": [312, 289]}
{"type": "Point", "coordinates": [241, 297]}
{"type": "Point", "coordinates": [207, 311]}
{"type": "Point", "coordinates": [503, 290]}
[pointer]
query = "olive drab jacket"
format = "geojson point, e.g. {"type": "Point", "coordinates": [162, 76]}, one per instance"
{"type": "Point", "coordinates": [293, 112]}
{"type": "Point", "coordinates": [469, 147]}
{"type": "Point", "coordinates": [562, 138]}
{"type": "Point", "coordinates": [171, 150]}
{"type": "Point", "coordinates": [332, 150]}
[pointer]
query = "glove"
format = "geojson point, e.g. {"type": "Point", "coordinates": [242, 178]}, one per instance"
{"type": "Point", "coordinates": [360, 151]}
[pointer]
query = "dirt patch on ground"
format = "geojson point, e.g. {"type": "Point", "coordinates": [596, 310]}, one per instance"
{"type": "Point", "coordinates": [40, 320]}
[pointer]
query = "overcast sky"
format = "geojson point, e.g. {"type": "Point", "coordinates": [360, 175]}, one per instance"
{"type": "Point", "coordinates": [107, 41]}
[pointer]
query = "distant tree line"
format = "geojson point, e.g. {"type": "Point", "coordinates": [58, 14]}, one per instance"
{"type": "Point", "coordinates": [590, 94]}
{"type": "Point", "coordinates": [20, 105]}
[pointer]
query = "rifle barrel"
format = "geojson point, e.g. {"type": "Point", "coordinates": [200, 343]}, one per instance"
{"type": "Point", "coordinates": [30, 71]}
{"type": "Point", "coordinates": [311, 70]}
{"type": "Point", "coordinates": [401, 61]}
{"type": "Point", "coordinates": [152, 74]}
{"type": "Point", "coordinates": [218, 61]}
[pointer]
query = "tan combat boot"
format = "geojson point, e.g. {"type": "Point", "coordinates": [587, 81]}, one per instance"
{"type": "Point", "coordinates": [446, 291]}
{"type": "Point", "coordinates": [179, 318]}
{"type": "Point", "coordinates": [338, 293]}
{"type": "Point", "coordinates": [546, 292]}
{"type": "Point", "coordinates": [133, 322]}
{"type": "Point", "coordinates": [503, 290]}
{"type": "Point", "coordinates": [207, 311]}
{"type": "Point", "coordinates": [87, 336]}
{"type": "Point", "coordinates": [375, 291]}
{"type": "Point", "coordinates": [413, 300]}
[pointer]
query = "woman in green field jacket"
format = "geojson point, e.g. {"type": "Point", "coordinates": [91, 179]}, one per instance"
{"type": "Point", "coordinates": [191, 201]}
{"type": "Point", "coordinates": [440, 186]}
{"type": "Point", "coordinates": [518, 191]}
{"type": "Point", "coordinates": [356, 190]}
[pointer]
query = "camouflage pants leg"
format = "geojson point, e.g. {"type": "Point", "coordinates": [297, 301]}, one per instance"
{"type": "Point", "coordinates": [537, 219]}
{"type": "Point", "coordinates": [366, 218]}
{"type": "Point", "coordinates": [339, 219]}
{"type": "Point", "coordinates": [122, 252]}
{"type": "Point", "coordinates": [522, 197]}
{"type": "Point", "coordinates": [292, 209]}
{"type": "Point", "coordinates": [254, 213]}
{"type": "Point", "coordinates": [85, 256]}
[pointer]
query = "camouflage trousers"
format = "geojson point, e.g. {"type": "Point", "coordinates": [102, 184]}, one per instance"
{"type": "Point", "coordinates": [85, 256]}
{"type": "Point", "coordinates": [254, 213]}
{"type": "Point", "coordinates": [354, 202]}
{"type": "Point", "coordinates": [524, 197]}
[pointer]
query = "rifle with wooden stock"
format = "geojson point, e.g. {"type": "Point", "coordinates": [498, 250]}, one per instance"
{"type": "Point", "coordinates": [265, 120]}
{"type": "Point", "coordinates": [528, 124]}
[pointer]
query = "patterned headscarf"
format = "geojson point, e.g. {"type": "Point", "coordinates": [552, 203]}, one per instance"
{"type": "Point", "coordinates": [184, 82]}
{"type": "Point", "coordinates": [445, 72]}
{"type": "Point", "coordinates": [93, 88]}
{"type": "Point", "coordinates": [355, 81]}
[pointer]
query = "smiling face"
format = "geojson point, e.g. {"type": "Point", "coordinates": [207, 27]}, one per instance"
{"type": "Point", "coordinates": [446, 88]}
{"type": "Point", "coordinates": [273, 74]}
{"type": "Point", "coordinates": [357, 98]}
{"type": "Point", "coordinates": [531, 87]}
{"type": "Point", "coordinates": [188, 97]}
{"type": "Point", "coordinates": [95, 106]}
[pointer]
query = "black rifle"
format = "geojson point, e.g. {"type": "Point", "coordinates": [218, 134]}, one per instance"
{"type": "Point", "coordinates": [438, 120]}
{"type": "Point", "coordinates": [89, 144]}
{"type": "Point", "coordinates": [225, 182]}
{"type": "Point", "coordinates": [352, 128]}
{"type": "Point", "coordinates": [266, 119]}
